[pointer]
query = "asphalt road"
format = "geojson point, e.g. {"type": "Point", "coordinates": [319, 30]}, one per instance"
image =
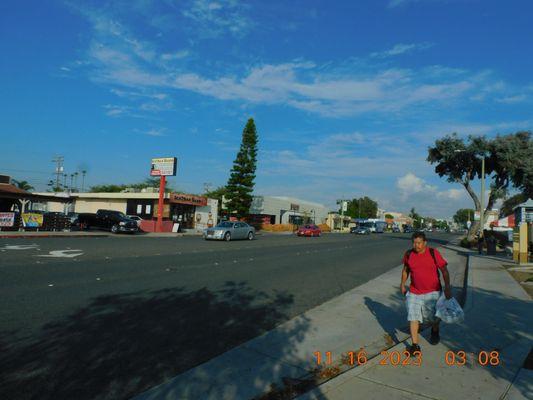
{"type": "Point", "coordinates": [110, 317]}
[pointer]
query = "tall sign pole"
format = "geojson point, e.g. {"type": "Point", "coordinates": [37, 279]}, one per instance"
{"type": "Point", "coordinates": [160, 205]}
{"type": "Point", "coordinates": [162, 167]}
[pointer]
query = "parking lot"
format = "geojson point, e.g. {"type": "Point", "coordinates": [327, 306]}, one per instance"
{"type": "Point", "coordinates": [115, 315]}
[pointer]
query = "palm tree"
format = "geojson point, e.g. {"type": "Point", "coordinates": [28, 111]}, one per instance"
{"type": "Point", "coordinates": [24, 185]}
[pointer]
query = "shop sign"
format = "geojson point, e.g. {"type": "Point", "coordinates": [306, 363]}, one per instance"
{"type": "Point", "coordinates": [191, 199]}
{"type": "Point", "coordinates": [295, 207]}
{"type": "Point", "coordinates": [32, 220]}
{"type": "Point", "coordinates": [164, 166]}
{"type": "Point", "coordinates": [7, 219]}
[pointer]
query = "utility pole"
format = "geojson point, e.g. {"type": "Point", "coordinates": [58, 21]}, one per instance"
{"type": "Point", "coordinates": [71, 182]}
{"type": "Point", "coordinates": [83, 173]}
{"type": "Point", "coordinates": [76, 180]}
{"type": "Point", "coordinates": [64, 181]}
{"type": "Point", "coordinates": [482, 199]}
{"type": "Point", "coordinates": [59, 168]}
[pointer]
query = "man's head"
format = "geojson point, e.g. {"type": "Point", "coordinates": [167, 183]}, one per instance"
{"type": "Point", "coordinates": [419, 241]}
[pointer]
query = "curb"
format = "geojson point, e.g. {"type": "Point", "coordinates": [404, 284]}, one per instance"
{"type": "Point", "coordinates": [50, 236]}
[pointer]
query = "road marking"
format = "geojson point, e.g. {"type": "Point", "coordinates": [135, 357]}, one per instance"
{"type": "Point", "coordinates": [62, 254]}
{"type": "Point", "coordinates": [51, 284]}
{"type": "Point", "coordinates": [21, 247]}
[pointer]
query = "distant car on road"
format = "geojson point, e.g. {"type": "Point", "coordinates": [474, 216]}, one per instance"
{"type": "Point", "coordinates": [230, 230]}
{"type": "Point", "coordinates": [395, 229]}
{"type": "Point", "coordinates": [135, 218]}
{"type": "Point", "coordinates": [309, 230]}
{"type": "Point", "coordinates": [360, 230]}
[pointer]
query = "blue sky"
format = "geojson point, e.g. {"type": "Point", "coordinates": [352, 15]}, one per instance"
{"type": "Point", "coordinates": [346, 95]}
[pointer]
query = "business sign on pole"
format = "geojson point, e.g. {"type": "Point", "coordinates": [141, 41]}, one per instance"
{"type": "Point", "coordinates": [166, 166]}
{"type": "Point", "coordinates": [477, 216]}
{"type": "Point", "coordinates": [7, 219]}
{"type": "Point", "coordinates": [344, 206]}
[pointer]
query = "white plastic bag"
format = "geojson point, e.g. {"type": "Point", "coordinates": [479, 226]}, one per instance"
{"type": "Point", "coordinates": [449, 310]}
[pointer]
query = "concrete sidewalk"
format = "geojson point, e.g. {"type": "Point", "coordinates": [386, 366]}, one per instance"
{"type": "Point", "coordinates": [371, 316]}
{"type": "Point", "coordinates": [498, 317]}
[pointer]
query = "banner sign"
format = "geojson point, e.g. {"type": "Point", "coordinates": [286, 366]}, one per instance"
{"type": "Point", "coordinates": [32, 220]}
{"type": "Point", "coordinates": [164, 166]}
{"type": "Point", "coordinates": [7, 219]}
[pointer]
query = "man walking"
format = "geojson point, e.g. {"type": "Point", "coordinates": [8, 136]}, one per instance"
{"type": "Point", "coordinates": [422, 263]}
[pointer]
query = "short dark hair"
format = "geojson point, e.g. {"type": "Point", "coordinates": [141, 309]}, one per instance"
{"type": "Point", "coordinates": [420, 235]}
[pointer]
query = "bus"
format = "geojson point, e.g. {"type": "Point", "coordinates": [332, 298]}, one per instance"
{"type": "Point", "coordinates": [375, 225]}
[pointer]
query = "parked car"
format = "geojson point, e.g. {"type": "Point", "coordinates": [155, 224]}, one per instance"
{"type": "Point", "coordinates": [73, 217]}
{"type": "Point", "coordinates": [135, 218]}
{"type": "Point", "coordinates": [309, 230]}
{"type": "Point", "coordinates": [360, 230]}
{"type": "Point", "coordinates": [115, 221]}
{"type": "Point", "coordinates": [395, 229]}
{"type": "Point", "coordinates": [230, 230]}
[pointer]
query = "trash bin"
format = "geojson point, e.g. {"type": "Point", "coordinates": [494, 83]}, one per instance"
{"type": "Point", "coordinates": [491, 246]}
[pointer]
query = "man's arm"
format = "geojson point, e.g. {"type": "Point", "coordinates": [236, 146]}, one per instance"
{"type": "Point", "coordinates": [447, 287]}
{"type": "Point", "coordinates": [405, 275]}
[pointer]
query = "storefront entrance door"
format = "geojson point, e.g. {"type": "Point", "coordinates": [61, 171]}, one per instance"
{"type": "Point", "coordinates": [183, 214]}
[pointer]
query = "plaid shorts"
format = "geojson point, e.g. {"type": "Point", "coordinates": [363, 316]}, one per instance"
{"type": "Point", "coordinates": [421, 307]}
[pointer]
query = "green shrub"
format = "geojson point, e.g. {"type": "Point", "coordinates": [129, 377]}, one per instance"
{"type": "Point", "coordinates": [465, 243]}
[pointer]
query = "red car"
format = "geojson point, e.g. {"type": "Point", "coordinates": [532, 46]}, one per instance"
{"type": "Point", "coordinates": [309, 230]}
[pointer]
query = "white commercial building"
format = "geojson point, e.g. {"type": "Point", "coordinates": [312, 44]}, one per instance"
{"type": "Point", "coordinates": [285, 210]}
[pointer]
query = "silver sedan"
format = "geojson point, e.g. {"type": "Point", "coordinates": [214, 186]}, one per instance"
{"type": "Point", "coordinates": [230, 230]}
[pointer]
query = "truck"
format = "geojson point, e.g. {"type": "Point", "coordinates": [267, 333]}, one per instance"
{"type": "Point", "coordinates": [114, 221]}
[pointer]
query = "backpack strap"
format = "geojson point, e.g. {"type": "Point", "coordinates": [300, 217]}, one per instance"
{"type": "Point", "coordinates": [407, 255]}
{"type": "Point", "coordinates": [431, 251]}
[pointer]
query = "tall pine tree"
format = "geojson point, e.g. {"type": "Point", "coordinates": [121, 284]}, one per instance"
{"type": "Point", "coordinates": [241, 182]}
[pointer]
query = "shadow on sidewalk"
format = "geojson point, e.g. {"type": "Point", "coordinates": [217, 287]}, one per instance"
{"type": "Point", "coordinates": [495, 323]}
{"type": "Point", "coordinates": [387, 316]}
{"type": "Point", "coordinates": [121, 345]}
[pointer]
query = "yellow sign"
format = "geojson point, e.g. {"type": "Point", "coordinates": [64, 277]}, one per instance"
{"type": "Point", "coordinates": [32, 220]}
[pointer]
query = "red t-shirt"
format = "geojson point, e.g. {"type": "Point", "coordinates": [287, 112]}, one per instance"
{"type": "Point", "coordinates": [424, 275]}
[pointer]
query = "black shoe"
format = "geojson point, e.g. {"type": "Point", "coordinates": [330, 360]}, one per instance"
{"type": "Point", "coordinates": [435, 337]}
{"type": "Point", "coordinates": [413, 348]}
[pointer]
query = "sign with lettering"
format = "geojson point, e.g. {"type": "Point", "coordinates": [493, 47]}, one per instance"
{"type": "Point", "coordinates": [166, 166]}
{"type": "Point", "coordinates": [7, 219]}
{"type": "Point", "coordinates": [191, 199]}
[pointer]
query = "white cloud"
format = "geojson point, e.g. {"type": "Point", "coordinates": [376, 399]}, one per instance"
{"type": "Point", "coordinates": [396, 3]}
{"type": "Point", "coordinates": [512, 99]}
{"type": "Point", "coordinates": [218, 17]}
{"type": "Point", "coordinates": [410, 184]}
{"type": "Point", "coordinates": [401, 48]}
{"type": "Point", "coordinates": [178, 55]}
{"type": "Point", "coordinates": [155, 132]}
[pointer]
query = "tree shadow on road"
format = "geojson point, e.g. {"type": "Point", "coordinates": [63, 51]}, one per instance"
{"type": "Point", "coordinates": [121, 345]}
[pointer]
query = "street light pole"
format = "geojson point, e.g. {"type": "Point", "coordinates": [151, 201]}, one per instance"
{"type": "Point", "coordinates": [482, 199]}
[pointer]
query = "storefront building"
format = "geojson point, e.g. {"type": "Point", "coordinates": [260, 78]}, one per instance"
{"type": "Point", "coordinates": [190, 211]}
{"type": "Point", "coordinates": [286, 210]}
